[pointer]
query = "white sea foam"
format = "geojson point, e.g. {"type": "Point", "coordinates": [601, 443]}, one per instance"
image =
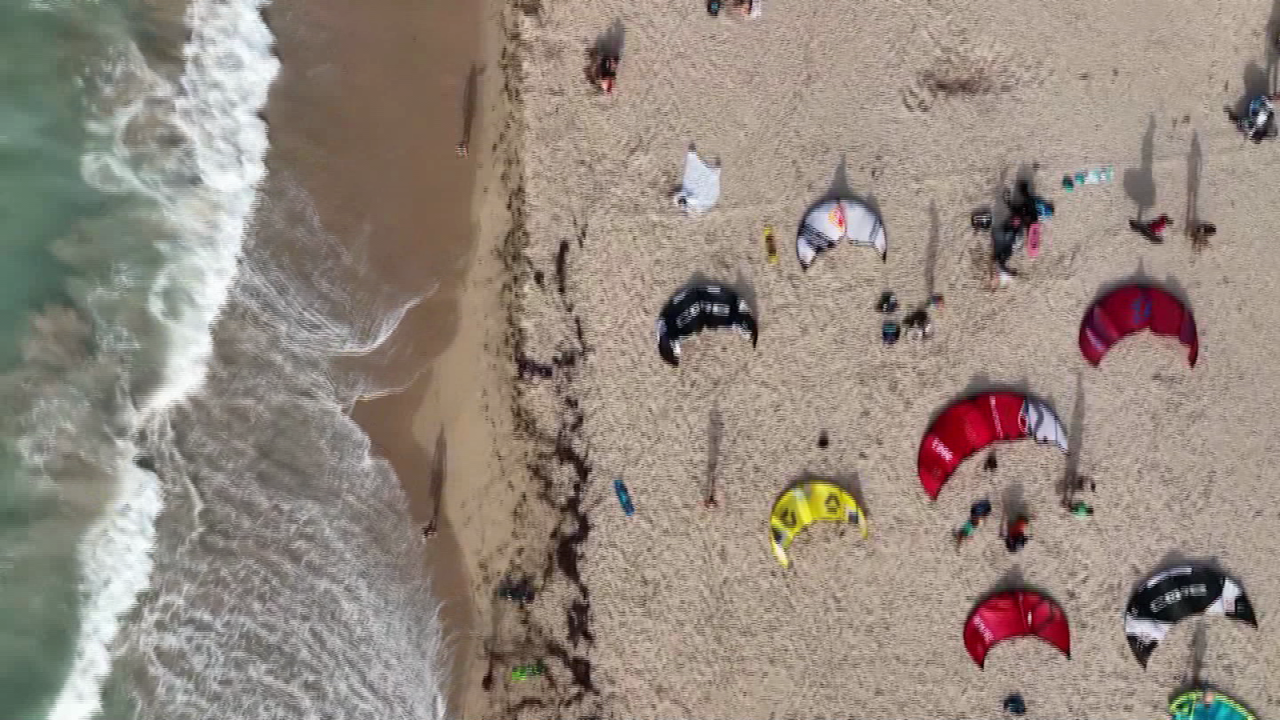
{"type": "Point", "coordinates": [151, 277]}
{"type": "Point", "coordinates": [283, 577]}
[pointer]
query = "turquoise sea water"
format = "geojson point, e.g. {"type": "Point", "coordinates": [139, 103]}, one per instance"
{"type": "Point", "coordinates": [45, 51]}
{"type": "Point", "coordinates": [190, 524]}
{"type": "Point", "coordinates": [44, 54]}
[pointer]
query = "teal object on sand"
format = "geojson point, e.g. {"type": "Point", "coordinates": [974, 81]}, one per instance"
{"type": "Point", "coordinates": [624, 497]}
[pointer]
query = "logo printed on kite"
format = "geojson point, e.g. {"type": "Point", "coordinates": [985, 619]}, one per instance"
{"type": "Point", "coordinates": [981, 626]}
{"type": "Point", "coordinates": [832, 504]}
{"type": "Point", "coordinates": [1176, 594]}
{"type": "Point", "coordinates": [936, 445]}
{"type": "Point", "coordinates": [1141, 308]}
{"type": "Point", "coordinates": [836, 216]}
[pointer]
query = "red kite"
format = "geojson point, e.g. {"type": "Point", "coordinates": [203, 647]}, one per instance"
{"type": "Point", "coordinates": [1015, 613]}
{"type": "Point", "coordinates": [1129, 309]}
{"type": "Point", "coordinates": [974, 423]}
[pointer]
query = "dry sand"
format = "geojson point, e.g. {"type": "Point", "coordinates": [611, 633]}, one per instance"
{"type": "Point", "coordinates": [689, 615]}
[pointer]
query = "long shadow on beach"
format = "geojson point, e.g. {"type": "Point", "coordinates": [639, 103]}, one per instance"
{"type": "Point", "coordinates": [1140, 182]}
{"type": "Point", "coordinates": [469, 91]}
{"type": "Point", "coordinates": [1075, 441]}
{"type": "Point", "coordinates": [715, 431]}
{"type": "Point", "coordinates": [1271, 39]}
{"type": "Point", "coordinates": [439, 461]}
{"type": "Point", "coordinates": [931, 249]}
{"type": "Point", "coordinates": [1195, 167]}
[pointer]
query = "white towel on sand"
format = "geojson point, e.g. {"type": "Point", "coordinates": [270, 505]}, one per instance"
{"type": "Point", "coordinates": [700, 188]}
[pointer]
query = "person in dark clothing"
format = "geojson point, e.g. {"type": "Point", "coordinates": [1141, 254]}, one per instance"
{"type": "Point", "coordinates": [606, 73]}
{"type": "Point", "coordinates": [1025, 209]}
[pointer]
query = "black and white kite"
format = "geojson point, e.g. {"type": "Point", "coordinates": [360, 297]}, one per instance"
{"type": "Point", "coordinates": [1173, 594]}
{"type": "Point", "coordinates": [697, 308]}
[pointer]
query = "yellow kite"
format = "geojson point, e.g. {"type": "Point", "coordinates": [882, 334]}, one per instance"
{"type": "Point", "coordinates": [805, 503]}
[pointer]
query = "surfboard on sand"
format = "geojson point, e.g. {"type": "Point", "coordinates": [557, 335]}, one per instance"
{"type": "Point", "coordinates": [770, 246]}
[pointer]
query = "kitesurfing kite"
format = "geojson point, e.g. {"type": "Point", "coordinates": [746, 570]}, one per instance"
{"type": "Point", "coordinates": [1015, 613]}
{"type": "Point", "coordinates": [697, 308]}
{"type": "Point", "coordinates": [1127, 310]}
{"type": "Point", "coordinates": [1207, 705]}
{"type": "Point", "coordinates": [831, 221]}
{"type": "Point", "coordinates": [974, 423]}
{"type": "Point", "coordinates": [1173, 594]}
{"type": "Point", "coordinates": [805, 503]}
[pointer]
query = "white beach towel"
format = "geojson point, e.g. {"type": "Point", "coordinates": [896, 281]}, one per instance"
{"type": "Point", "coordinates": [700, 187]}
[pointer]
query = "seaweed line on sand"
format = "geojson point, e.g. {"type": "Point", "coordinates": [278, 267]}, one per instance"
{"type": "Point", "coordinates": [548, 420]}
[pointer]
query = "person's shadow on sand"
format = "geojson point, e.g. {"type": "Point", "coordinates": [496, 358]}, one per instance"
{"type": "Point", "coordinates": [439, 463]}
{"type": "Point", "coordinates": [469, 90]}
{"type": "Point", "coordinates": [1140, 182]}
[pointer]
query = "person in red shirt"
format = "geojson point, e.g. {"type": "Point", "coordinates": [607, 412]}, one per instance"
{"type": "Point", "coordinates": [1152, 231]}
{"type": "Point", "coordinates": [1016, 534]}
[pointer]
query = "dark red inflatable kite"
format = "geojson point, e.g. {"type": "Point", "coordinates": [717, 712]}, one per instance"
{"type": "Point", "coordinates": [1015, 613]}
{"type": "Point", "coordinates": [1132, 308]}
{"type": "Point", "coordinates": [974, 423]}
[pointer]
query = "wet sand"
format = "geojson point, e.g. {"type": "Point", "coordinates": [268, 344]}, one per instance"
{"type": "Point", "coordinates": [365, 117]}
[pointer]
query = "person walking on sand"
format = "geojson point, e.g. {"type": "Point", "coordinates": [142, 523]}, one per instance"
{"type": "Point", "coordinates": [1015, 537]}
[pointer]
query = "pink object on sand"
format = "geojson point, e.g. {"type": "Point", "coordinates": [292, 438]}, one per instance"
{"type": "Point", "coordinates": [1033, 240]}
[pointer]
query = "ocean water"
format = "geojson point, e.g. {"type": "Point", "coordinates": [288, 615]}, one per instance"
{"type": "Point", "coordinates": [190, 525]}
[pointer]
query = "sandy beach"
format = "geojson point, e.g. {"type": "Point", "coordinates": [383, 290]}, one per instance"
{"type": "Point", "coordinates": [533, 377]}
{"type": "Point", "coordinates": [681, 611]}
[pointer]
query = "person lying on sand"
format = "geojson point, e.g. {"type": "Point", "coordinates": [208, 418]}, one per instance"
{"type": "Point", "coordinates": [1152, 231]}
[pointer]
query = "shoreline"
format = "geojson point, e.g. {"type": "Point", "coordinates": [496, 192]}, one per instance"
{"type": "Point", "coordinates": [405, 205]}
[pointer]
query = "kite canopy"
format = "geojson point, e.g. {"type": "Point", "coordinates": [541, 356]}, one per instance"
{"type": "Point", "coordinates": [1129, 309]}
{"type": "Point", "coordinates": [805, 503]}
{"type": "Point", "coordinates": [974, 423]}
{"type": "Point", "coordinates": [697, 308]}
{"type": "Point", "coordinates": [1207, 705]}
{"type": "Point", "coordinates": [1173, 594]}
{"type": "Point", "coordinates": [1015, 613]}
{"type": "Point", "coordinates": [831, 221]}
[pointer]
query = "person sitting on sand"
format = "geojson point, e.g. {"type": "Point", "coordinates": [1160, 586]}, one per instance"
{"type": "Point", "coordinates": [602, 69]}
{"type": "Point", "coordinates": [1200, 235]}
{"type": "Point", "coordinates": [977, 513]}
